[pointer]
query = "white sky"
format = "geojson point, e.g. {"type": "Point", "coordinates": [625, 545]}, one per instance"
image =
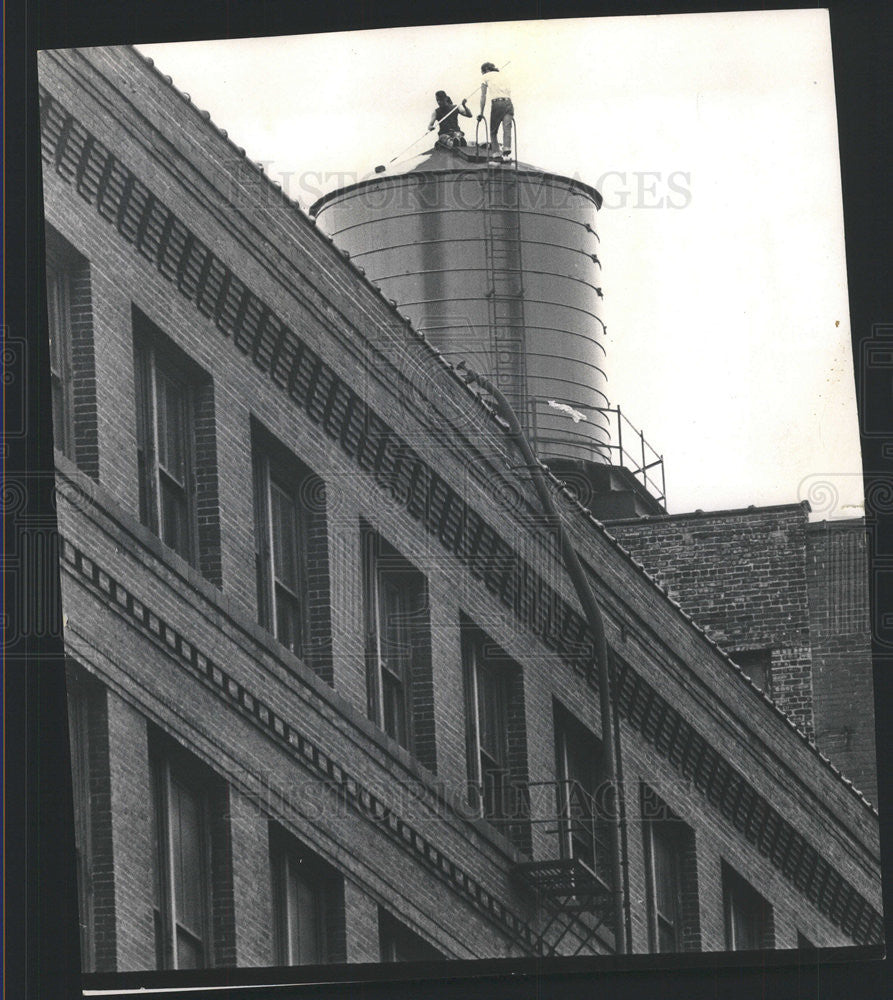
{"type": "Point", "coordinates": [723, 340]}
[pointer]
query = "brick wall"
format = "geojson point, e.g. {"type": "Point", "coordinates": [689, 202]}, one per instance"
{"type": "Point", "coordinates": [841, 649]}
{"type": "Point", "coordinates": [131, 856]}
{"type": "Point", "coordinates": [253, 912]}
{"type": "Point", "coordinates": [742, 576]}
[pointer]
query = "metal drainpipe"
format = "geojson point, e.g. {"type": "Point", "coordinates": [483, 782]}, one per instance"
{"type": "Point", "coordinates": [620, 802]}
{"type": "Point", "coordinates": [594, 619]}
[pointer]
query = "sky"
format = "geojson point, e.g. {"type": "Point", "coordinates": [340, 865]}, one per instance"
{"type": "Point", "coordinates": [713, 139]}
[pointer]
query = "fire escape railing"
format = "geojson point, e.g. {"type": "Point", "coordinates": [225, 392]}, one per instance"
{"type": "Point", "coordinates": [572, 878]}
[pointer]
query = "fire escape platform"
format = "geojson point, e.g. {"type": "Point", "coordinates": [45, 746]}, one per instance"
{"type": "Point", "coordinates": [561, 878]}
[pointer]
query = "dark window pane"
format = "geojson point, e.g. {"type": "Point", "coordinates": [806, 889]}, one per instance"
{"type": "Point", "coordinates": [189, 951]}
{"type": "Point", "coordinates": [160, 958]}
{"type": "Point", "coordinates": [285, 537]}
{"type": "Point", "coordinates": [159, 865]}
{"type": "Point", "coordinates": [57, 317]}
{"type": "Point", "coordinates": [142, 377]}
{"type": "Point", "coordinates": [581, 760]}
{"type": "Point", "coordinates": [493, 788]}
{"type": "Point", "coordinates": [60, 337]}
{"type": "Point", "coordinates": [59, 435]}
{"type": "Point", "coordinates": [288, 620]}
{"type": "Point", "coordinates": [399, 944]}
{"type": "Point", "coordinates": [301, 891]}
{"type": "Point", "coordinates": [393, 624]}
{"type": "Point", "coordinates": [80, 768]}
{"type": "Point", "coordinates": [396, 639]}
{"type": "Point", "coordinates": [281, 547]}
{"type": "Point", "coordinates": [497, 802]}
{"type": "Point", "coordinates": [747, 914]}
{"type": "Point", "coordinates": [490, 714]}
{"type": "Point", "coordinates": [666, 936]}
{"type": "Point", "coordinates": [664, 874]}
{"type": "Point", "coordinates": [171, 426]}
{"type": "Point", "coordinates": [394, 707]}
{"type": "Point", "coordinates": [585, 832]}
{"type": "Point", "coordinates": [186, 832]}
{"type": "Point", "coordinates": [664, 890]}
{"type": "Point", "coordinates": [174, 516]}
{"type": "Point", "coordinates": [262, 557]}
{"type": "Point", "coordinates": [304, 917]}
{"type": "Point", "coordinates": [757, 664]}
{"type": "Point", "coordinates": [394, 654]}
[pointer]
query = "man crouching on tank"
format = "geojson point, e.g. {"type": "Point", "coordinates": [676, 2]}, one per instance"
{"type": "Point", "coordinates": [446, 114]}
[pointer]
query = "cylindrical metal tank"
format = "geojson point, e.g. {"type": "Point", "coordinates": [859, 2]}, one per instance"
{"type": "Point", "coordinates": [498, 265]}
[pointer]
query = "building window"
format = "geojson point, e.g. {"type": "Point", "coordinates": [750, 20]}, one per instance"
{"type": "Point", "coordinates": [582, 802]}
{"type": "Point", "coordinates": [399, 944]}
{"type": "Point", "coordinates": [79, 694]}
{"type": "Point", "coordinates": [59, 316]}
{"type": "Point", "coordinates": [748, 917]}
{"type": "Point", "coordinates": [495, 735]}
{"type": "Point", "coordinates": [664, 901]}
{"type": "Point", "coordinates": [176, 449]}
{"type": "Point", "coordinates": [72, 374]}
{"type": "Point", "coordinates": [291, 559]}
{"type": "Point", "coordinates": [757, 664]}
{"type": "Point", "coordinates": [165, 449]}
{"type": "Point", "coordinates": [670, 878]}
{"type": "Point", "coordinates": [308, 905]}
{"type": "Point", "coordinates": [398, 648]}
{"type": "Point", "coordinates": [181, 862]}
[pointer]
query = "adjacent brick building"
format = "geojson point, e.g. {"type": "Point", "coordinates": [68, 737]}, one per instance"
{"type": "Point", "coordinates": [788, 601]}
{"type": "Point", "coordinates": [330, 696]}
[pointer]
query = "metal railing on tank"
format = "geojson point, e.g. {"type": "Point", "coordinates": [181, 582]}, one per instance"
{"type": "Point", "coordinates": [630, 449]}
{"type": "Point", "coordinates": [641, 462]}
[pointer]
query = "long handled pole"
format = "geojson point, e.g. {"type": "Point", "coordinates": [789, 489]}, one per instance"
{"type": "Point", "coordinates": [596, 626]}
{"type": "Point", "coordinates": [382, 167]}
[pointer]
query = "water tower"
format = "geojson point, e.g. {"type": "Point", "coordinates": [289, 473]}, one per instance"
{"type": "Point", "coordinates": [499, 265]}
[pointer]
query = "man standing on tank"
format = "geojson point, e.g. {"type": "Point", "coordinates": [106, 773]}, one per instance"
{"type": "Point", "coordinates": [496, 86]}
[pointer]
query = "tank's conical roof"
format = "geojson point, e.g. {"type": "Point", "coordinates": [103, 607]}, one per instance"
{"type": "Point", "coordinates": [438, 160]}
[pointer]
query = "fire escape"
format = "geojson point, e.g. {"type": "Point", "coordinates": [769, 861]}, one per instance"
{"type": "Point", "coordinates": [573, 886]}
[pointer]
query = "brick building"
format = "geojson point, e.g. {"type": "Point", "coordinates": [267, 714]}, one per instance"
{"type": "Point", "coordinates": [330, 697]}
{"type": "Point", "coordinates": [788, 601]}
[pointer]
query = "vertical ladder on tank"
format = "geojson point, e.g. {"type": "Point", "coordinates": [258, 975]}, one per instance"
{"type": "Point", "coordinates": [505, 288]}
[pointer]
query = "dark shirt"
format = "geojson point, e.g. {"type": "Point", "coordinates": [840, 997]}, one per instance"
{"type": "Point", "coordinates": [450, 124]}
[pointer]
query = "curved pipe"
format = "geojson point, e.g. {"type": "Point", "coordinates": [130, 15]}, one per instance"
{"type": "Point", "coordinates": [610, 748]}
